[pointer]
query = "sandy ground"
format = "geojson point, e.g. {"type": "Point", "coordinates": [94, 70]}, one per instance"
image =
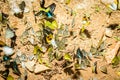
{"type": "Point", "coordinates": [98, 22]}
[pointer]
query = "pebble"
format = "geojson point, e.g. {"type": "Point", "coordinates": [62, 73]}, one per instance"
{"type": "Point", "coordinates": [30, 65]}
{"type": "Point", "coordinates": [39, 68]}
{"type": "Point", "coordinates": [7, 50]}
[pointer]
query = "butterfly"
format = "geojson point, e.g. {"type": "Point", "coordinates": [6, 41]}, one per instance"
{"type": "Point", "coordinates": [47, 11]}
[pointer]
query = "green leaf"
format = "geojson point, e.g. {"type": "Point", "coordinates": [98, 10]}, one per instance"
{"type": "Point", "coordinates": [67, 56]}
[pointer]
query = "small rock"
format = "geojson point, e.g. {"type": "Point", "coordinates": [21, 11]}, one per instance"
{"type": "Point", "coordinates": [30, 65]}
{"type": "Point", "coordinates": [108, 32]}
{"type": "Point", "coordinates": [39, 68]}
{"type": "Point", "coordinates": [7, 50]}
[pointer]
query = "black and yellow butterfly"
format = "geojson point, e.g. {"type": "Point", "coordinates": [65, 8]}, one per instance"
{"type": "Point", "coordinates": [47, 11]}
